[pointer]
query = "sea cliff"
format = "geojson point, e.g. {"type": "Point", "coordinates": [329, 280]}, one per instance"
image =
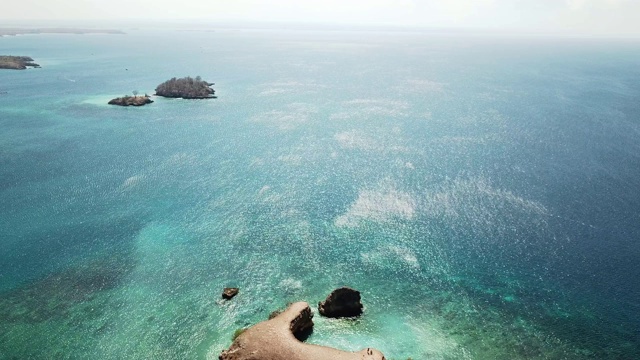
{"type": "Point", "coordinates": [17, 62]}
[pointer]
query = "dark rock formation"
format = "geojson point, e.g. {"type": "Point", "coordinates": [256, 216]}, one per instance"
{"type": "Point", "coordinates": [275, 339]}
{"type": "Point", "coordinates": [186, 88]}
{"type": "Point", "coordinates": [342, 302]}
{"type": "Point", "coordinates": [17, 62]}
{"type": "Point", "coordinates": [131, 101]}
{"type": "Point", "coordinates": [275, 313]}
{"type": "Point", "coordinates": [229, 293]}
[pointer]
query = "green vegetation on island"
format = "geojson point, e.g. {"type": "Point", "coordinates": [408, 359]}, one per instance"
{"type": "Point", "coordinates": [16, 62]}
{"type": "Point", "coordinates": [186, 88]}
{"type": "Point", "coordinates": [134, 100]}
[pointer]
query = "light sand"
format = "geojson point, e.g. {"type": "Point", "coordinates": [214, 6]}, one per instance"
{"type": "Point", "coordinates": [274, 340]}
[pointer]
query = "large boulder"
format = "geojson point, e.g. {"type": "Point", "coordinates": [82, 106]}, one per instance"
{"type": "Point", "coordinates": [342, 302]}
{"type": "Point", "coordinates": [275, 339]}
{"type": "Point", "coordinates": [229, 293]}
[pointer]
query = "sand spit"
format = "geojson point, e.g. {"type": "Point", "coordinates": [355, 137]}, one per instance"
{"type": "Point", "coordinates": [275, 339]}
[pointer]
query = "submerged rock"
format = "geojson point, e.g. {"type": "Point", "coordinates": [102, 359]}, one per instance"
{"type": "Point", "coordinates": [229, 293]}
{"type": "Point", "coordinates": [275, 339]}
{"type": "Point", "coordinates": [342, 302]}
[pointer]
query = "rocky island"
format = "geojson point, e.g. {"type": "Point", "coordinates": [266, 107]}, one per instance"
{"type": "Point", "coordinates": [131, 100]}
{"type": "Point", "coordinates": [186, 88]}
{"type": "Point", "coordinates": [17, 62]}
{"type": "Point", "coordinates": [342, 302]}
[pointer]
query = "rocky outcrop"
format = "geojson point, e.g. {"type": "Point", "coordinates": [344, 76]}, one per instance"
{"type": "Point", "coordinates": [342, 302]}
{"type": "Point", "coordinates": [17, 62]}
{"type": "Point", "coordinates": [229, 293]}
{"type": "Point", "coordinates": [186, 88]}
{"type": "Point", "coordinates": [131, 101]}
{"type": "Point", "coordinates": [275, 339]}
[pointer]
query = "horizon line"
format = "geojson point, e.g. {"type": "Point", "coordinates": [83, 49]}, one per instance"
{"type": "Point", "coordinates": [92, 23]}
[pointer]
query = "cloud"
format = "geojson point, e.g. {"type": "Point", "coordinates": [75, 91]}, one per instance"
{"type": "Point", "coordinates": [587, 4]}
{"type": "Point", "coordinates": [599, 17]}
{"type": "Point", "coordinates": [576, 4]}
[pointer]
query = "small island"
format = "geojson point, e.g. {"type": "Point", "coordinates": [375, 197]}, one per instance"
{"type": "Point", "coordinates": [34, 31]}
{"type": "Point", "coordinates": [186, 88]}
{"type": "Point", "coordinates": [134, 100]}
{"type": "Point", "coordinates": [16, 62]}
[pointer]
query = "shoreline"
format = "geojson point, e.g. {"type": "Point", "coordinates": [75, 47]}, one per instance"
{"type": "Point", "coordinates": [280, 338]}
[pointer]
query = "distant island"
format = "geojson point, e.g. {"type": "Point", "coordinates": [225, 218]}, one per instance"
{"type": "Point", "coordinates": [16, 62]}
{"type": "Point", "coordinates": [186, 88]}
{"type": "Point", "coordinates": [134, 100]}
{"type": "Point", "coordinates": [22, 31]}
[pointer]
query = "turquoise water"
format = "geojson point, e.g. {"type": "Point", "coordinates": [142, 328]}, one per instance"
{"type": "Point", "coordinates": [480, 192]}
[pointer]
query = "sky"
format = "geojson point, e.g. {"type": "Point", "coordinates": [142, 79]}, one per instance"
{"type": "Point", "coordinates": [598, 17]}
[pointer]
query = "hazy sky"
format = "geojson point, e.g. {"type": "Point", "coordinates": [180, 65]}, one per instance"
{"type": "Point", "coordinates": [574, 16]}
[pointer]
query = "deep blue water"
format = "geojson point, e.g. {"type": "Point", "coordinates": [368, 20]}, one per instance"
{"type": "Point", "coordinates": [481, 193]}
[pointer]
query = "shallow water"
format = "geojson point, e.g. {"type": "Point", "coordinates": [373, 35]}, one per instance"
{"type": "Point", "coordinates": [480, 192]}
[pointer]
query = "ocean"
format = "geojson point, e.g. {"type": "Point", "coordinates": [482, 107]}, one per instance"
{"type": "Point", "coordinates": [480, 191]}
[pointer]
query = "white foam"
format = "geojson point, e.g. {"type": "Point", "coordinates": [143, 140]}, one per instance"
{"type": "Point", "coordinates": [256, 162]}
{"type": "Point", "coordinates": [291, 159]}
{"type": "Point", "coordinates": [406, 255]}
{"type": "Point", "coordinates": [434, 340]}
{"type": "Point", "coordinates": [290, 117]}
{"type": "Point", "coordinates": [290, 284]}
{"type": "Point", "coordinates": [274, 91]}
{"type": "Point", "coordinates": [472, 196]}
{"type": "Point", "coordinates": [383, 142]}
{"type": "Point", "coordinates": [131, 182]}
{"type": "Point", "coordinates": [180, 158]}
{"type": "Point", "coordinates": [462, 141]}
{"type": "Point", "coordinates": [287, 87]}
{"type": "Point", "coordinates": [421, 86]}
{"type": "Point", "coordinates": [367, 108]}
{"type": "Point", "coordinates": [380, 205]}
{"type": "Point", "coordinates": [354, 140]}
{"type": "Point", "coordinates": [386, 255]}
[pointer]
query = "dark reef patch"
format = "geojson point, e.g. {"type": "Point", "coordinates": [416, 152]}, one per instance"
{"type": "Point", "coordinates": [53, 297]}
{"type": "Point", "coordinates": [35, 164]}
{"type": "Point", "coordinates": [42, 251]}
